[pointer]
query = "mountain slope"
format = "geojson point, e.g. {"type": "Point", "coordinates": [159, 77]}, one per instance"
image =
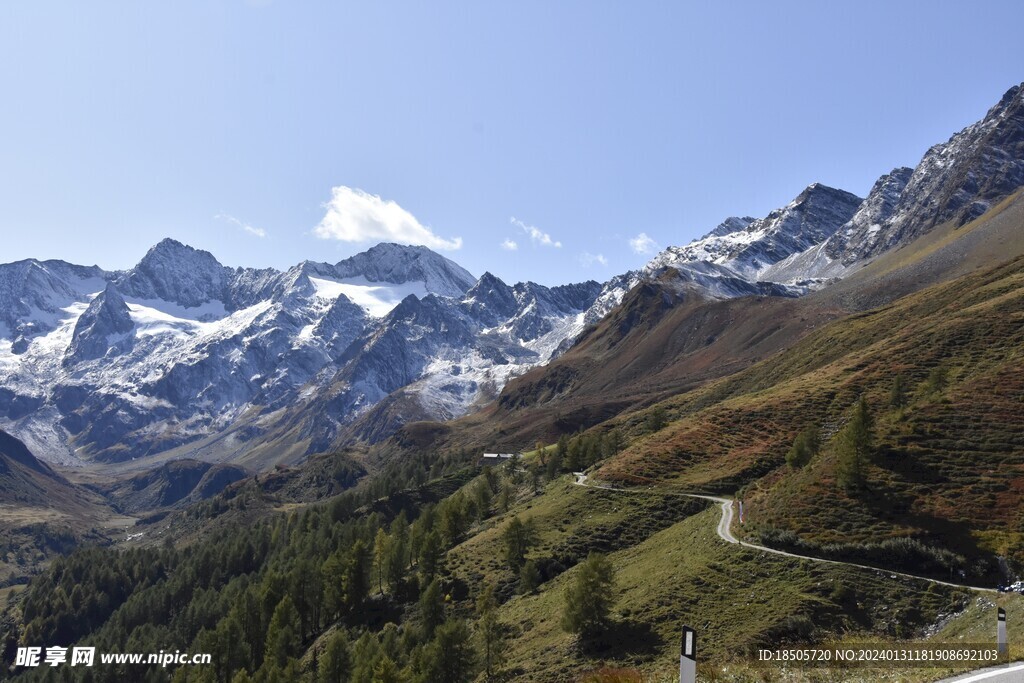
{"type": "Point", "coordinates": [957, 347]}
{"type": "Point", "coordinates": [430, 358]}
{"type": "Point", "coordinates": [43, 514]}
{"type": "Point", "coordinates": [26, 480]}
{"type": "Point", "coordinates": [182, 356]}
{"type": "Point", "coordinates": [667, 338]}
{"type": "Point", "coordinates": [955, 183]}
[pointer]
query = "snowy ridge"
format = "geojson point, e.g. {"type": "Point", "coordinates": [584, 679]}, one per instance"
{"type": "Point", "coordinates": [125, 364]}
{"type": "Point", "coordinates": [826, 234]}
{"type": "Point", "coordinates": [111, 365]}
{"type": "Point", "coordinates": [956, 181]}
{"type": "Point", "coordinates": [733, 259]}
{"type": "Point", "coordinates": [444, 355]}
{"type": "Point", "coordinates": [814, 215]}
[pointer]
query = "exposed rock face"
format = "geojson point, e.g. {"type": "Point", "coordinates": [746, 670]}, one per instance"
{"type": "Point", "coordinates": [956, 182]}
{"type": "Point", "coordinates": [176, 273]}
{"type": "Point", "coordinates": [825, 259]}
{"type": "Point", "coordinates": [962, 178]}
{"type": "Point", "coordinates": [813, 216]}
{"type": "Point", "coordinates": [183, 350]}
{"type": "Point", "coordinates": [104, 326]}
{"type": "Point", "coordinates": [826, 233]}
{"type": "Point", "coordinates": [180, 348]}
{"type": "Point", "coordinates": [732, 259]}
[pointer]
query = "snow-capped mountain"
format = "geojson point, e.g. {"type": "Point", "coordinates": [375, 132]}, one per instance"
{"type": "Point", "coordinates": [112, 365]}
{"type": "Point", "coordinates": [181, 352]}
{"type": "Point", "coordinates": [823, 261]}
{"type": "Point", "coordinates": [731, 260]}
{"type": "Point", "coordinates": [434, 358]}
{"type": "Point", "coordinates": [956, 182]}
{"type": "Point", "coordinates": [825, 234]}
{"type": "Point", "coordinates": [814, 215]}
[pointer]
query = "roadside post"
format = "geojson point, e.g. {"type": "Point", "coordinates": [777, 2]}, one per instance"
{"type": "Point", "coordinates": [688, 656]}
{"type": "Point", "coordinates": [1001, 644]}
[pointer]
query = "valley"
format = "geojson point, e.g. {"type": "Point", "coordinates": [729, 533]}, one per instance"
{"type": "Point", "coordinates": [283, 468]}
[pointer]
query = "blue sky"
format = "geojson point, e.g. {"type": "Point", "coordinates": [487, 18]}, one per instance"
{"type": "Point", "coordinates": [272, 132]}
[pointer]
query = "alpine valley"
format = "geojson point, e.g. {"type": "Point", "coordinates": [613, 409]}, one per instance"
{"type": "Point", "coordinates": [260, 444]}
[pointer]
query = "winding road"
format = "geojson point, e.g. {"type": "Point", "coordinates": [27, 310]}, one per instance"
{"type": "Point", "coordinates": [725, 533]}
{"type": "Point", "coordinates": [1012, 673]}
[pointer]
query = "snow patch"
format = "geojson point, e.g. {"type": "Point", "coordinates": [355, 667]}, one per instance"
{"type": "Point", "coordinates": [375, 298]}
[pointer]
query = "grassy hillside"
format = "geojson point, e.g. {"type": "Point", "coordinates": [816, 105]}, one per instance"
{"type": "Point", "coordinates": [666, 340]}
{"type": "Point", "coordinates": [42, 515]}
{"type": "Point", "coordinates": [671, 573]}
{"type": "Point", "coordinates": [946, 466]}
{"type": "Point", "coordinates": [288, 576]}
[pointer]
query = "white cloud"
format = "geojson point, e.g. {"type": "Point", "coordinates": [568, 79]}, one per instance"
{"type": "Point", "coordinates": [537, 236]}
{"type": "Point", "coordinates": [588, 259]}
{"type": "Point", "coordinates": [357, 216]}
{"type": "Point", "coordinates": [252, 230]}
{"type": "Point", "coordinates": [642, 244]}
{"type": "Point", "coordinates": [509, 245]}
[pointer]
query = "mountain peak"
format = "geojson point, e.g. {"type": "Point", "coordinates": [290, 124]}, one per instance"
{"type": "Point", "coordinates": [490, 300]}
{"type": "Point", "coordinates": [169, 247]}
{"type": "Point", "coordinates": [102, 325]}
{"type": "Point", "coordinates": [730, 225]}
{"type": "Point", "coordinates": [177, 273]}
{"type": "Point", "coordinates": [488, 279]}
{"type": "Point", "coordinates": [819, 192]}
{"type": "Point", "coordinates": [399, 264]}
{"type": "Point", "coordinates": [1014, 95]}
{"type": "Point", "coordinates": [956, 181]}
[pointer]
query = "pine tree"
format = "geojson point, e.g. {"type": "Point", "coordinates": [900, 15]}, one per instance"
{"type": "Point", "coordinates": [490, 631]}
{"type": "Point", "coordinates": [518, 538]}
{"type": "Point", "coordinates": [431, 608]}
{"type": "Point", "coordinates": [283, 639]}
{"type": "Point", "coordinates": [380, 557]}
{"type": "Point", "coordinates": [395, 564]}
{"type": "Point", "coordinates": [366, 653]}
{"type": "Point", "coordinates": [656, 420]}
{"type": "Point", "coordinates": [936, 381]}
{"type": "Point", "coordinates": [482, 498]}
{"type": "Point", "coordinates": [450, 658]}
{"type": "Point", "coordinates": [386, 671]}
{"type": "Point", "coordinates": [453, 519]}
{"type": "Point", "coordinates": [854, 448]}
{"type": "Point", "coordinates": [554, 467]}
{"type": "Point", "coordinates": [574, 456]}
{"type": "Point", "coordinates": [356, 578]}
{"type": "Point", "coordinates": [589, 598]}
{"type": "Point", "coordinates": [529, 577]}
{"type": "Point", "coordinates": [561, 454]}
{"type": "Point", "coordinates": [805, 446]}
{"type": "Point", "coordinates": [336, 663]}
{"type": "Point", "coordinates": [430, 557]}
{"type": "Point", "coordinates": [333, 573]}
{"type": "Point", "coordinates": [898, 394]}
{"type": "Point", "coordinates": [506, 497]}
{"type": "Point", "coordinates": [535, 471]}
{"type": "Point", "coordinates": [611, 444]}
